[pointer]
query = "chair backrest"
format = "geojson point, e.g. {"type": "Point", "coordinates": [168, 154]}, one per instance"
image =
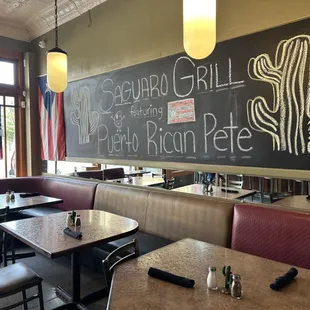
{"type": "Point", "coordinates": [3, 218]}
{"type": "Point", "coordinates": [3, 214]}
{"type": "Point", "coordinates": [236, 183]}
{"type": "Point", "coordinates": [113, 173]}
{"type": "Point", "coordinates": [118, 256]}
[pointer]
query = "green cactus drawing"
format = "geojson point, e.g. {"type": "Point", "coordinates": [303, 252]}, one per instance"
{"type": "Point", "coordinates": [81, 115]}
{"type": "Point", "coordinates": [287, 116]}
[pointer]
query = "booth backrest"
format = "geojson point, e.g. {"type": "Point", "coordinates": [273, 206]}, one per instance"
{"type": "Point", "coordinates": [176, 216]}
{"type": "Point", "coordinates": [168, 214]}
{"type": "Point", "coordinates": [272, 233]}
{"type": "Point", "coordinates": [113, 173]}
{"type": "Point", "coordinates": [94, 174]}
{"type": "Point", "coordinates": [122, 200]}
{"type": "Point", "coordinates": [76, 194]}
{"type": "Point", "coordinates": [21, 185]}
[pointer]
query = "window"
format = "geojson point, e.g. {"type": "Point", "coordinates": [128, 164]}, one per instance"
{"type": "Point", "coordinates": [7, 71]}
{"type": "Point", "coordinates": [12, 117]}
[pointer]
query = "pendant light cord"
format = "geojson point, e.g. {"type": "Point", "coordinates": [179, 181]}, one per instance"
{"type": "Point", "coordinates": [56, 24]}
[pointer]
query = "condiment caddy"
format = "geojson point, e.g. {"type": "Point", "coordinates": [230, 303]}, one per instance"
{"type": "Point", "coordinates": [232, 282]}
{"type": "Point", "coordinates": [9, 196]}
{"type": "Point", "coordinates": [73, 219]}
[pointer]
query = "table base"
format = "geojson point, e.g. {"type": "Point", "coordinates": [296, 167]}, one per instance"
{"type": "Point", "coordinates": [76, 285]}
{"type": "Point", "coordinates": [86, 300]}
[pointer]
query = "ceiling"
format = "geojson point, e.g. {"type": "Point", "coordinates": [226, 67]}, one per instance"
{"type": "Point", "coordinates": [27, 19]}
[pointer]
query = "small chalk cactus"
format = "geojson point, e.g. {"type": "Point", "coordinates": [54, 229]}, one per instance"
{"type": "Point", "coordinates": [226, 273]}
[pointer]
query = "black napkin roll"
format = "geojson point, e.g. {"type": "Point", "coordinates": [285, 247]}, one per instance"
{"type": "Point", "coordinates": [284, 280]}
{"type": "Point", "coordinates": [169, 277]}
{"type": "Point", "coordinates": [26, 195]}
{"type": "Point", "coordinates": [74, 234]}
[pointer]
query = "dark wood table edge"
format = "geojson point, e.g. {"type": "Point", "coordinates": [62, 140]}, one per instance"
{"type": "Point", "coordinates": [75, 249]}
{"type": "Point", "coordinates": [252, 193]}
{"type": "Point", "coordinates": [34, 206]}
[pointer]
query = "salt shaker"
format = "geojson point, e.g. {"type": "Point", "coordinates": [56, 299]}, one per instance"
{"type": "Point", "coordinates": [236, 287]}
{"type": "Point", "coordinates": [7, 196]}
{"type": "Point", "coordinates": [211, 280]}
{"type": "Point", "coordinates": [69, 219]}
{"type": "Point", "coordinates": [12, 196]}
{"type": "Point", "coordinates": [78, 221]}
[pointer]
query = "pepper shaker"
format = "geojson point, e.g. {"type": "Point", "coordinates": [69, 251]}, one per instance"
{"type": "Point", "coordinates": [236, 287]}
{"type": "Point", "coordinates": [78, 221]}
{"type": "Point", "coordinates": [211, 280]}
{"type": "Point", "coordinates": [12, 196]}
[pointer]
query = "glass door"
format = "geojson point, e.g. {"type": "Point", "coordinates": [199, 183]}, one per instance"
{"type": "Point", "coordinates": [7, 133]}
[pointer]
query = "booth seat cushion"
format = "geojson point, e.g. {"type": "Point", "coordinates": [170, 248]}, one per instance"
{"type": "Point", "coordinates": [175, 216]}
{"type": "Point", "coordinates": [272, 233]}
{"type": "Point", "coordinates": [128, 201]}
{"type": "Point", "coordinates": [147, 243]}
{"type": "Point", "coordinates": [76, 194]}
{"type": "Point", "coordinates": [39, 211]}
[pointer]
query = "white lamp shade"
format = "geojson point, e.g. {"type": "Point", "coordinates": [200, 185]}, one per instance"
{"type": "Point", "coordinates": [57, 70]}
{"type": "Point", "coordinates": [199, 27]}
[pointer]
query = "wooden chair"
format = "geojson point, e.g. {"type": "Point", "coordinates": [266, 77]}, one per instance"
{"type": "Point", "coordinates": [18, 278]}
{"type": "Point", "coordinates": [168, 183]}
{"type": "Point", "coordinates": [118, 256]}
{"type": "Point", "coordinates": [238, 183]}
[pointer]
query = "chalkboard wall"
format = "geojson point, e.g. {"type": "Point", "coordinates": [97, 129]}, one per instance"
{"type": "Point", "coordinates": [247, 104]}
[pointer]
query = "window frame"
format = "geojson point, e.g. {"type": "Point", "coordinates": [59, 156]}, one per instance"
{"type": "Point", "coordinates": [16, 91]}
{"type": "Point", "coordinates": [8, 86]}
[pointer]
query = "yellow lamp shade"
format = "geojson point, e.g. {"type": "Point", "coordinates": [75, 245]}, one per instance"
{"type": "Point", "coordinates": [199, 27]}
{"type": "Point", "coordinates": [57, 70]}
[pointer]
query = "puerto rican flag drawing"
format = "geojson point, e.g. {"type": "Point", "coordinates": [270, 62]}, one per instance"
{"type": "Point", "coordinates": [52, 127]}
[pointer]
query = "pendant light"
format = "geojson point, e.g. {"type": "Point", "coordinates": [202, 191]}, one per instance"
{"type": "Point", "coordinates": [57, 68]}
{"type": "Point", "coordinates": [199, 27]}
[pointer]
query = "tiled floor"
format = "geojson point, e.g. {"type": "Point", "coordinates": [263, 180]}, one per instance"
{"type": "Point", "coordinates": [57, 273]}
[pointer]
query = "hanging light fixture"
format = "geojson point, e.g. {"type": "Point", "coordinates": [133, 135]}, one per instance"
{"type": "Point", "coordinates": [57, 67]}
{"type": "Point", "coordinates": [199, 27]}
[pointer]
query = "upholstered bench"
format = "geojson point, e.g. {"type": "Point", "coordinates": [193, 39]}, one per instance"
{"type": "Point", "coordinates": [77, 194]}
{"type": "Point", "coordinates": [272, 233]}
{"type": "Point", "coordinates": [164, 216]}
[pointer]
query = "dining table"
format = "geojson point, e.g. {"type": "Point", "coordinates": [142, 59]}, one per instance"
{"type": "Point", "coordinates": [217, 191]}
{"type": "Point", "coordinates": [133, 288]}
{"type": "Point", "coordinates": [21, 203]}
{"type": "Point", "coordinates": [45, 234]}
{"type": "Point", "coordinates": [140, 181]}
{"type": "Point", "coordinates": [296, 202]}
{"type": "Point", "coordinates": [135, 173]}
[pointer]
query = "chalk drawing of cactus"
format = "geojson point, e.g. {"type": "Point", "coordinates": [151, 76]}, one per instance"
{"type": "Point", "coordinates": [286, 117]}
{"type": "Point", "coordinates": [81, 115]}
